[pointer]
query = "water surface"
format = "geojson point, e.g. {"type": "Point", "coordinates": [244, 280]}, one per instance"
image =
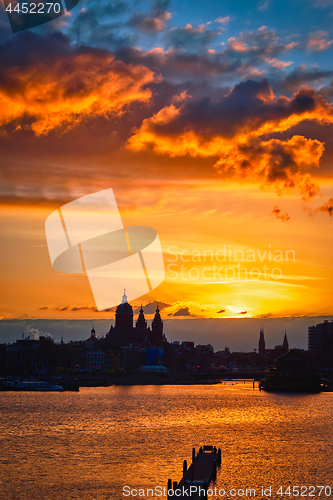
{"type": "Point", "coordinates": [88, 445]}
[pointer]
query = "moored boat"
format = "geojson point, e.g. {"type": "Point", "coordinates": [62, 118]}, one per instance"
{"type": "Point", "coordinates": [29, 385]}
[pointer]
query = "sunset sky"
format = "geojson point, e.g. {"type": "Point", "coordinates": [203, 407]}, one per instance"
{"type": "Point", "coordinates": [211, 121]}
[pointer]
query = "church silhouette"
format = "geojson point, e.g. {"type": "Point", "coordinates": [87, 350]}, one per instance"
{"type": "Point", "coordinates": [141, 334]}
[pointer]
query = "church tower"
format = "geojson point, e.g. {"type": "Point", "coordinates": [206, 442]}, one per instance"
{"type": "Point", "coordinates": [124, 316]}
{"type": "Point", "coordinates": [285, 343]}
{"type": "Point", "coordinates": [141, 323]}
{"type": "Point", "coordinates": [262, 347]}
{"type": "Point", "coordinates": [157, 327]}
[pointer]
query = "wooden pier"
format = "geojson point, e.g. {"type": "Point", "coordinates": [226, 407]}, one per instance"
{"type": "Point", "coordinates": [196, 479]}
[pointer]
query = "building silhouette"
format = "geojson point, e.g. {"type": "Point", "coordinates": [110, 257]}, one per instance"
{"type": "Point", "coordinates": [320, 343]}
{"type": "Point", "coordinates": [262, 345]}
{"type": "Point", "coordinates": [285, 344]}
{"type": "Point", "coordinates": [124, 332]}
{"type": "Point", "coordinates": [278, 350]}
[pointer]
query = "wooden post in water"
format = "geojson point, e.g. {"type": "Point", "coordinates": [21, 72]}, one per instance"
{"type": "Point", "coordinates": [193, 454]}
{"type": "Point", "coordinates": [184, 467]}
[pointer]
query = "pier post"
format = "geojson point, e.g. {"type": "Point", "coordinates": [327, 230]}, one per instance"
{"type": "Point", "coordinates": [184, 467]}
{"type": "Point", "coordinates": [193, 454]}
{"type": "Point", "coordinates": [219, 456]}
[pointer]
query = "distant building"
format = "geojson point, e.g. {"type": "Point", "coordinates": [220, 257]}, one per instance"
{"type": "Point", "coordinates": [293, 372]}
{"type": "Point", "coordinates": [320, 343]}
{"type": "Point", "coordinates": [278, 349]}
{"type": "Point", "coordinates": [262, 345]}
{"type": "Point", "coordinates": [95, 359]}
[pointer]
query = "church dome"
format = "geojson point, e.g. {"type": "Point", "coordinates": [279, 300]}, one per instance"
{"type": "Point", "coordinates": [124, 308]}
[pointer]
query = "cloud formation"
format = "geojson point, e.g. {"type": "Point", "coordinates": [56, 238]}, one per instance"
{"type": "Point", "coordinates": [184, 311]}
{"type": "Point", "coordinates": [150, 307]}
{"type": "Point", "coordinates": [191, 38]}
{"type": "Point", "coordinates": [231, 129]}
{"type": "Point", "coordinates": [75, 309]}
{"type": "Point", "coordinates": [318, 41]}
{"type": "Point", "coordinates": [65, 84]}
{"type": "Point", "coordinates": [155, 22]}
{"type": "Point", "coordinates": [326, 207]}
{"type": "Point", "coordinates": [279, 215]}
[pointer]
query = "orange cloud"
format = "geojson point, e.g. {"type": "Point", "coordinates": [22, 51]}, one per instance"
{"type": "Point", "coordinates": [238, 45]}
{"type": "Point", "coordinates": [318, 41]}
{"type": "Point", "coordinates": [232, 132]}
{"type": "Point", "coordinates": [222, 20]}
{"type": "Point", "coordinates": [279, 215]}
{"type": "Point", "coordinates": [64, 91]}
{"type": "Point", "coordinates": [281, 163]}
{"type": "Point", "coordinates": [278, 64]}
{"type": "Point", "coordinates": [327, 207]}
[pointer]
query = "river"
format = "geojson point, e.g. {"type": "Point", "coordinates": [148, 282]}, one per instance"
{"type": "Point", "coordinates": [89, 445]}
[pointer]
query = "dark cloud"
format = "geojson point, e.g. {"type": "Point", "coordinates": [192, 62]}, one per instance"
{"type": "Point", "coordinates": [300, 77]}
{"type": "Point", "coordinates": [76, 309]}
{"type": "Point", "coordinates": [326, 207]}
{"type": "Point", "coordinates": [150, 308]}
{"type": "Point", "coordinates": [249, 105]}
{"type": "Point", "coordinates": [184, 311]}
{"type": "Point", "coordinates": [28, 49]}
{"type": "Point", "coordinates": [232, 128]}
{"type": "Point", "coordinates": [5, 29]}
{"type": "Point", "coordinates": [190, 38]}
{"type": "Point", "coordinates": [150, 23]}
{"type": "Point", "coordinates": [327, 91]}
{"type": "Point", "coordinates": [243, 312]}
{"type": "Point", "coordinates": [97, 26]}
{"type": "Point", "coordinates": [71, 83]}
{"type": "Point", "coordinates": [179, 64]}
{"type": "Point", "coordinates": [279, 215]}
{"type": "Point", "coordinates": [221, 311]}
{"type": "Point", "coordinates": [256, 45]}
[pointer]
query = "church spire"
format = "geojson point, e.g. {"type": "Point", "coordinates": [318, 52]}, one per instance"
{"type": "Point", "coordinates": [262, 345]}
{"type": "Point", "coordinates": [285, 342]}
{"type": "Point", "coordinates": [157, 327]}
{"type": "Point", "coordinates": [124, 299]}
{"type": "Point", "coordinates": [141, 323]}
